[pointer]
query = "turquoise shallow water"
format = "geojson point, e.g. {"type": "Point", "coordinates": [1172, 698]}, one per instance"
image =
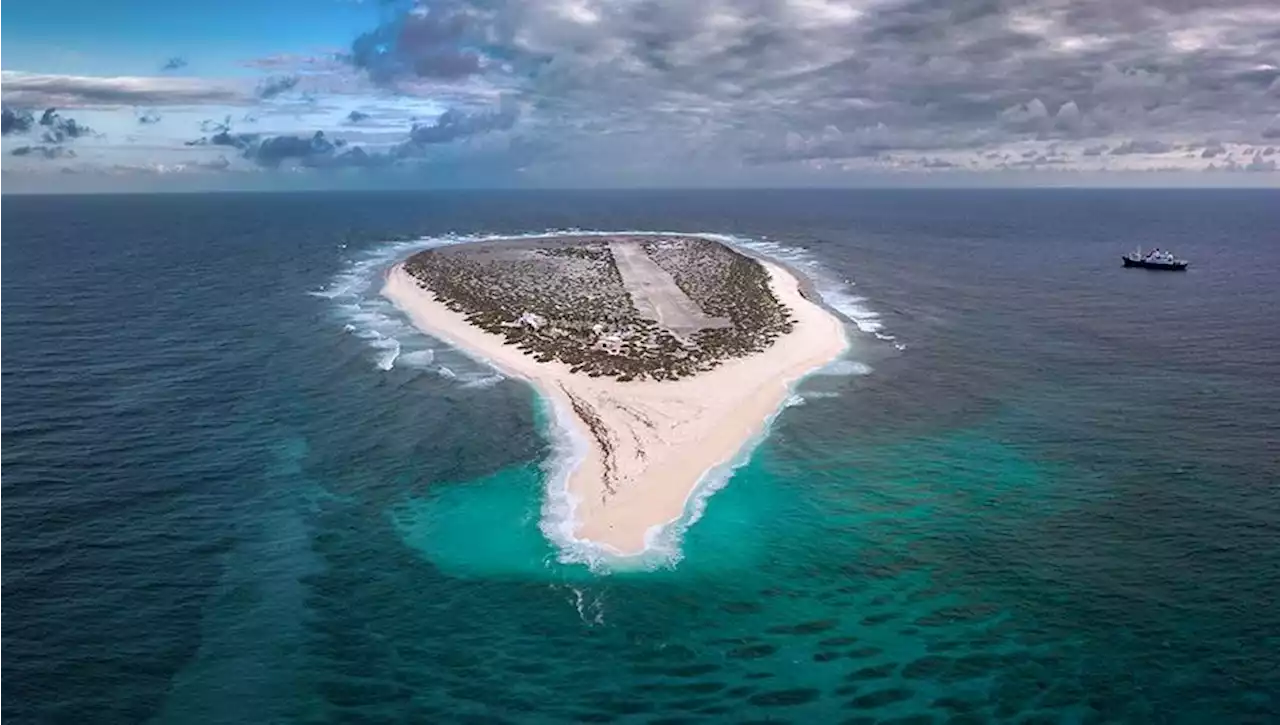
{"type": "Point", "coordinates": [809, 588]}
{"type": "Point", "coordinates": [237, 489]}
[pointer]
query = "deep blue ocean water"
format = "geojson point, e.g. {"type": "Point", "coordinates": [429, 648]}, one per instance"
{"type": "Point", "coordinates": [1042, 488]}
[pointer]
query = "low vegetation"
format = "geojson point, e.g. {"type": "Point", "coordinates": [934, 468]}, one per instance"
{"type": "Point", "coordinates": [563, 299]}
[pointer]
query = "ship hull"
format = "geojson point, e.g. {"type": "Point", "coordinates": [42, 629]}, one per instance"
{"type": "Point", "coordinates": [1166, 266]}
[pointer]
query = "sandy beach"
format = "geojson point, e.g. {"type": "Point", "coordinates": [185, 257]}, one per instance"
{"type": "Point", "coordinates": [649, 442]}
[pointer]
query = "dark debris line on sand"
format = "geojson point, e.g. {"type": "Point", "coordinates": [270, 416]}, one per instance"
{"type": "Point", "coordinates": [564, 299]}
{"type": "Point", "coordinates": [591, 419]}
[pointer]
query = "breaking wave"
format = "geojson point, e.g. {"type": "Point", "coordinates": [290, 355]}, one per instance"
{"type": "Point", "coordinates": [836, 292]}
{"type": "Point", "coordinates": [394, 342]}
{"type": "Point", "coordinates": [844, 366]}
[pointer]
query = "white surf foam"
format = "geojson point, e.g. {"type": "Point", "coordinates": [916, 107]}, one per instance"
{"type": "Point", "coordinates": [391, 350]}
{"type": "Point", "coordinates": [366, 314]}
{"type": "Point", "coordinates": [835, 291]}
{"type": "Point", "coordinates": [418, 359]}
{"type": "Point", "coordinates": [559, 507]}
{"type": "Point", "coordinates": [803, 398]}
{"type": "Point", "coordinates": [357, 302]}
{"type": "Point", "coordinates": [591, 612]}
{"type": "Point", "coordinates": [483, 381]}
{"type": "Point", "coordinates": [844, 366]}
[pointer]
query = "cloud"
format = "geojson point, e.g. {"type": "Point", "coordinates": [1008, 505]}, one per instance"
{"type": "Point", "coordinates": [243, 141]}
{"type": "Point", "coordinates": [219, 164]}
{"type": "Point", "coordinates": [12, 121]}
{"type": "Point", "coordinates": [272, 87]}
{"type": "Point", "coordinates": [1134, 146]}
{"type": "Point", "coordinates": [147, 118]}
{"type": "Point", "coordinates": [54, 127]}
{"type": "Point", "coordinates": [753, 88]}
{"type": "Point", "coordinates": [730, 81]}
{"type": "Point", "coordinates": [937, 164]}
{"type": "Point", "coordinates": [222, 135]}
{"type": "Point", "coordinates": [59, 129]}
{"type": "Point", "coordinates": [288, 62]}
{"type": "Point", "coordinates": [355, 157]}
{"type": "Point", "coordinates": [316, 150]}
{"type": "Point", "coordinates": [1030, 116]}
{"type": "Point", "coordinates": [272, 151]}
{"type": "Point", "coordinates": [455, 124]}
{"type": "Point", "coordinates": [174, 63]}
{"type": "Point", "coordinates": [1069, 117]}
{"type": "Point", "coordinates": [441, 40]}
{"type": "Point", "coordinates": [1259, 164]}
{"type": "Point", "coordinates": [46, 152]}
{"type": "Point", "coordinates": [40, 90]}
{"type": "Point", "coordinates": [210, 125]}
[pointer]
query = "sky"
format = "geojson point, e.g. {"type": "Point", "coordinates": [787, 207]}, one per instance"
{"type": "Point", "coordinates": [139, 95]}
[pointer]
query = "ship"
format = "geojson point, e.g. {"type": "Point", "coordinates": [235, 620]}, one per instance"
{"type": "Point", "coordinates": [1155, 259]}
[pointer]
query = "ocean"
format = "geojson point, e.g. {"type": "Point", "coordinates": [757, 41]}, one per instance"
{"type": "Point", "coordinates": [239, 488]}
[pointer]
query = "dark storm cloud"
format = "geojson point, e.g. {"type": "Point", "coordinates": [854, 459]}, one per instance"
{"type": "Point", "coordinates": [174, 63]}
{"type": "Point", "coordinates": [274, 86]}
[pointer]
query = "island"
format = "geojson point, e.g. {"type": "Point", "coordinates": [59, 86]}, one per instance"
{"type": "Point", "coordinates": [666, 354]}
